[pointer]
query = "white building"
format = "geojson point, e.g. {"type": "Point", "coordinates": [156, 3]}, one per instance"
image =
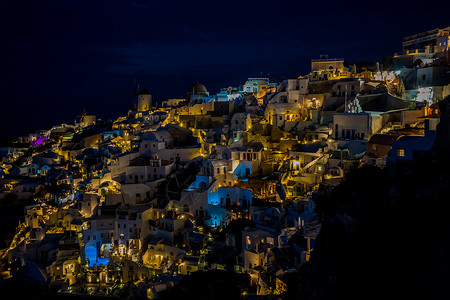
{"type": "Point", "coordinates": [351, 126]}
{"type": "Point", "coordinates": [241, 122]}
{"type": "Point", "coordinates": [413, 147]}
{"type": "Point", "coordinates": [144, 169]}
{"type": "Point", "coordinates": [245, 160]}
{"type": "Point", "coordinates": [132, 227]}
{"type": "Point", "coordinates": [162, 255]}
{"type": "Point", "coordinates": [254, 85]}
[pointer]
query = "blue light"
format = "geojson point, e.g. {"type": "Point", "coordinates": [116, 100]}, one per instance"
{"type": "Point", "coordinates": [91, 255]}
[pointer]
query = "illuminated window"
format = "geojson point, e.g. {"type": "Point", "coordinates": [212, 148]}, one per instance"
{"type": "Point", "coordinates": [401, 152]}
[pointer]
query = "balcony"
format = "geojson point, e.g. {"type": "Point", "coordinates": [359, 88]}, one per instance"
{"type": "Point", "coordinates": [414, 51]}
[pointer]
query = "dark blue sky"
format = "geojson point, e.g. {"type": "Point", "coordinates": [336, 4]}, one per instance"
{"type": "Point", "coordinates": [61, 57]}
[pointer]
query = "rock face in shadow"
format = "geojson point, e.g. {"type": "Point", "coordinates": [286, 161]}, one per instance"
{"type": "Point", "coordinates": [384, 232]}
{"type": "Point", "coordinates": [443, 130]}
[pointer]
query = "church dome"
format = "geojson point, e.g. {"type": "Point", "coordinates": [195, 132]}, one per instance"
{"type": "Point", "coordinates": [198, 89]}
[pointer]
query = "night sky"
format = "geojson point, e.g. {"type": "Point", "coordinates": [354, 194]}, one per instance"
{"type": "Point", "coordinates": [59, 58]}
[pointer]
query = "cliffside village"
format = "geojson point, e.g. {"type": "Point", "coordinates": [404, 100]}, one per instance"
{"type": "Point", "coordinates": [224, 181]}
